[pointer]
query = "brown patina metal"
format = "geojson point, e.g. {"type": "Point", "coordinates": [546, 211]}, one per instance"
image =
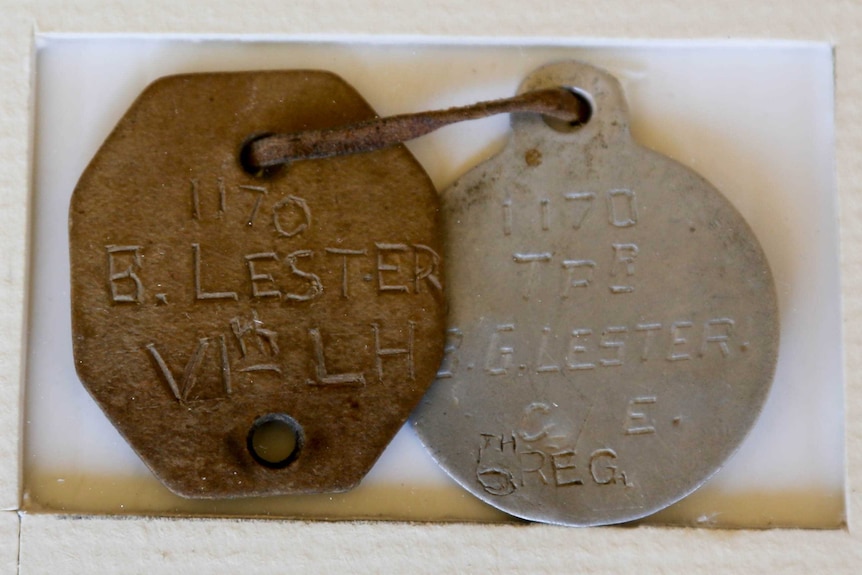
{"type": "Point", "coordinates": [208, 302]}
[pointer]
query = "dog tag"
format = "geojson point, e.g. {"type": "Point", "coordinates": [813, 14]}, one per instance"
{"type": "Point", "coordinates": [253, 334]}
{"type": "Point", "coordinates": [613, 327]}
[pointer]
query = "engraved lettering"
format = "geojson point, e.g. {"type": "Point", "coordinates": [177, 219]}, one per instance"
{"type": "Point", "coordinates": [344, 253]}
{"type": "Point", "coordinates": [505, 464]}
{"type": "Point", "coordinates": [262, 367]}
{"type": "Point", "coordinates": [539, 458]}
{"type": "Point", "coordinates": [553, 354]}
{"type": "Point", "coordinates": [429, 271]}
{"type": "Point", "coordinates": [496, 480]}
{"type": "Point", "coordinates": [134, 292]}
{"type": "Point", "coordinates": [265, 340]}
{"type": "Point", "coordinates": [624, 255]}
{"type": "Point", "coordinates": [545, 205]}
{"type": "Point", "coordinates": [637, 422]}
{"type": "Point", "coordinates": [545, 362]}
{"type": "Point", "coordinates": [315, 287]}
{"type": "Point", "coordinates": [181, 389]}
{"type": "Point", "coordinates": [507, 217]}
{"type": "Point", "coordinates": [533, 260]}
{"type": "Point", "coordinates": [717, 331]}
{"type": "Point", "coordinates": [386, 266]}
{"type": "Point", "coordinates": [493, 469]}
{"type": "Point", "coordinates": [563, 463]}
{"type": "Point", "coordinates": [222, 198]}
{"type": "Point", "coordinates": [583, 203]}
{"type": "Point", "coordinates": [258, 278]}
{"type": "Point", "coordinates": [677, 340]}
{"type": "Point", "coordinates": [449, 364]}
{"type": "Point", "coordinates": [261, 192]}
{"type": "Point", "coordinates": [572, 267]}
{"type": "Point", "coordinates": [498, 359]}
{"type": "Point", "coordinates": [189, 374]}
{"type": "Point", "coordinates": [534, 417]}
{"type": "Point", "coordinates": [577, 348]}
{"type": "Point", "coordinates": [382, 353]}
{"type": "Point", "coordinates": [603, 471]}
{"type": "Point", "coordinates": [648, 330]}
{"type": "Point", "coordinates": [323, 376]}
{"type": "Point", "coordinates": [622, 208]}
{"type": "Point", "coordinates": [241, 328]}
{"type": "Point", "coordinates": [225, 365]}
{"type": "Point", "coordinates": [196, 201]}
{"type": "Point", "coordinates": [609, 342]}
{"type": "Point", "coordinates": [621, 205]}
{"type": "Point", "coordinates": [300, 221]}
{"type": "Point", "coordinates": [200, 294]}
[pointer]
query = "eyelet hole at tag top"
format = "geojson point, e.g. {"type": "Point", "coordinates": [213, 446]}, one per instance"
{"type": "Point", "coordinates": [275, 440]}
{"type": "Point", "coordinates": [248, 165]}
{"type": "Point", "coordinates": [575, 125]}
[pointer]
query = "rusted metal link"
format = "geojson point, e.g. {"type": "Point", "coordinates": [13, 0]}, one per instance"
{"type": "Point", "coordinates": [278, 149]}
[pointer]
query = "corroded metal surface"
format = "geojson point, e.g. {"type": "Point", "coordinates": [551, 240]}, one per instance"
{"type": "Point", "coordinates": [210, 303]}
{"type": "Point", "coordinates": [613, 326]}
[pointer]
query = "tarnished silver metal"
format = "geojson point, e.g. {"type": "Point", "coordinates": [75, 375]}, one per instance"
{"type": "Point", "coordinates": [613, 326]}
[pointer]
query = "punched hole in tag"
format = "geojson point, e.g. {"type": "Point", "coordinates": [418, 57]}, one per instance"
{"type": "Point", "coordinates": [275, 440]}
{"type": "Point", "coordinates": [248, 164]}
{"type": "Point", "coordinates": [586, 107]}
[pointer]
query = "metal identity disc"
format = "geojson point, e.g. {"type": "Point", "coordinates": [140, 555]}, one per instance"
{"type": "Point", "coordinates": [613, 322]}
{"type": "Point", "coordinates": [253, 334]}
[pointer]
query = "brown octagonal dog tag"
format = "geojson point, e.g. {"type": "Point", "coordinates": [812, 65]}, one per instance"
{"type": "Point", "coordinates": [253, 334]}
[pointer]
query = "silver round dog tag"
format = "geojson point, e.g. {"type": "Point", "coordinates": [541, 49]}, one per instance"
{"type": "Point", "coordinates": [613, 327]}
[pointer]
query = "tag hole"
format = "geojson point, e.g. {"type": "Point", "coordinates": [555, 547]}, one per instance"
{"type": "Point", "coordinates": [275, 440]}
{"type": "Point", "coordinates": [563, 126]}
{"type": "Point", "coordinates": [245, 161]}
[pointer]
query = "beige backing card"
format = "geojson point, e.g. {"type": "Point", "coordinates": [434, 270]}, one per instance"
{"type": "Point", "coordinates": [63, 544]}
{"type": "Point", "coordinates": [8, 542]}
